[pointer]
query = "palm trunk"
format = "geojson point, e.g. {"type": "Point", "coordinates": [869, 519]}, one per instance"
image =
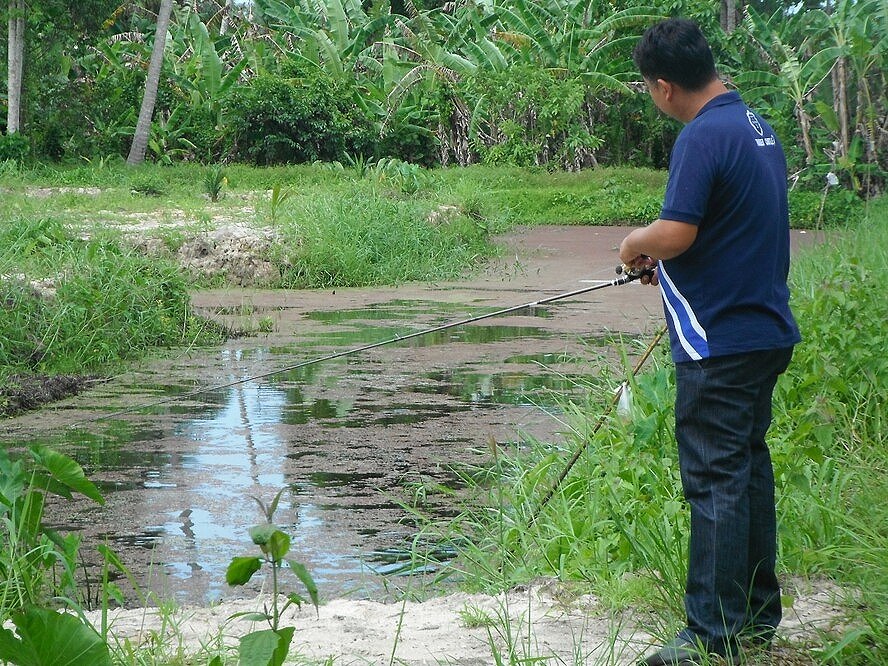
{"type": "Point", "coordinates": [805, 125]}
{"type": "Point", "coordinates": [730, 15]}
{"type": "Point", "coordinates": [16, 59]}
{"type": "Point", "coordinates": [143, 126]}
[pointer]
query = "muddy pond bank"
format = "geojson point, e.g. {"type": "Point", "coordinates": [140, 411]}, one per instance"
{"type": "Point", "coordinates": [351, 440]}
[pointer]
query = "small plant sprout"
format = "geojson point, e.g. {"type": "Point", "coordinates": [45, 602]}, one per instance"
{"type": "Point", "coordinates": [214, 181]}
{"type": "Point", "coordinates": [266, 325]}
{"type": "Point", "coordinates": [473, 617]}
{"type": "Point", "coordinates": [278, 197]}
{"type": "Point", "coordinates": [269, 647]}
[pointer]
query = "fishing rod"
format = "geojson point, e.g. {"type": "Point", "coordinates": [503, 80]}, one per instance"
{"type": "Point", "coordinates": [626, 275]}
{"type": "Point", "coordinates": [618, 394]}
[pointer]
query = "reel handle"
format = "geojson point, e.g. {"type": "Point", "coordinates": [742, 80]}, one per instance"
{"type": "Point", "coordinates": [635, 273]}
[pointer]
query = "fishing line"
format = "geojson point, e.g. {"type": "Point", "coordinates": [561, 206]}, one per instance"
{"type": "Point", "coordinates": [626, 276]}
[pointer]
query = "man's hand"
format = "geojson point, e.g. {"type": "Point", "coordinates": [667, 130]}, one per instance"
{"type": "Point", "coordinates": [662, 239]}
{"type": "Point", "coordinates": [646, 264]}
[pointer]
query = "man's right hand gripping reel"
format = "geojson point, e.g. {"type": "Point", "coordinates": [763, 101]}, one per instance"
{"type": "Point", "coordinates": [636, 272]}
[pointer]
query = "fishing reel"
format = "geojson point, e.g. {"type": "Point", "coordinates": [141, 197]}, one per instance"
{"type": "Point", "coordinates": [635, 273]}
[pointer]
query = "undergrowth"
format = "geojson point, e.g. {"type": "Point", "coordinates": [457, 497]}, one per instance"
{"type": "Point", "coordinates": [83, 306]}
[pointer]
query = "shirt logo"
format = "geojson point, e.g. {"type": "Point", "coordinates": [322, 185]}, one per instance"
{"type": "Point", "coordinates": [756, 125]}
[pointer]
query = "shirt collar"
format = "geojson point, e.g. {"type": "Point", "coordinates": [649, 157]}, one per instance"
{"type": "Point", "coordinates": [730, 97]}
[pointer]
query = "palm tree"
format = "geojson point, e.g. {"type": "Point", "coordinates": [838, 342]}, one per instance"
{"type": "Point", "coordinates": [143, 126]}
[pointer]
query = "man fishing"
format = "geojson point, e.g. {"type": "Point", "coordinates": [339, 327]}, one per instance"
{"type": "Point", "coordinates": [721, 250]}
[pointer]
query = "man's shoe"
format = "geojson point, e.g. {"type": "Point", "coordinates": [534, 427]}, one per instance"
{"type": "Point", "coordinates": [682, 652]}
{"type": "Point", "coordinates": [677, 652]}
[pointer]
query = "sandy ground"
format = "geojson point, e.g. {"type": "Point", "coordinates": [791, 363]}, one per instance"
{"type": "Point", "coordinates": [547, 622]}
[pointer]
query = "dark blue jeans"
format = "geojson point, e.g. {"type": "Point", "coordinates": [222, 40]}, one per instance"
{"type": "Point", "coordinates": [722, 412]}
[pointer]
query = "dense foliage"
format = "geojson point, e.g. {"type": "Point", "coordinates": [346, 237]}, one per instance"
{"type": "Point", "coordinates": [502, 82]}
{"type": "Point", "coordinates": [103, 304]}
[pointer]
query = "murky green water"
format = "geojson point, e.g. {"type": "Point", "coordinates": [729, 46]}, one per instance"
{"type": "Point", "coordinates": [350, 440]}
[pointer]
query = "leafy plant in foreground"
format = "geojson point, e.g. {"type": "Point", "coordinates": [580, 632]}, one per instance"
{"type": "Point", "coordinates": [278, 198]}
{"type": "Point", "coordinates": [37, 564]}
{"type": "Point", "coordinates": [47, 637]}
{"type": "Point", "coordinates": [269, 647]}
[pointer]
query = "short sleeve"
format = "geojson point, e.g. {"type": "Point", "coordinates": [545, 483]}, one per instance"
{"type": "Point", "coordinates": [690, 181]}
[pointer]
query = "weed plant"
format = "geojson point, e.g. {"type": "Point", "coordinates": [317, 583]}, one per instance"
{"type": "Point", "coordinates": [366, 237]}
{"type": "Point", "coordinates": [619, 520]}
{"type": "Point", "coordinates": [75, 306]}
{"type": "Point", "coordinates": [37, 565]}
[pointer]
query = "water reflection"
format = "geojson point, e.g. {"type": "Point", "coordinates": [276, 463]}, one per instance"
{"type": "Point", "coordinates": [341, 438]}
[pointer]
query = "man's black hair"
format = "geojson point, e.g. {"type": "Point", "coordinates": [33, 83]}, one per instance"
{"type": "Point", "coordinates": [675, 50]}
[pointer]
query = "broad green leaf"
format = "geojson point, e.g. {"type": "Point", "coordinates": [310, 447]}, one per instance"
{"type": "Point", "coordinates": [68, 472]}
{"type": "Point", "coordinates": [241, 569]}
{"type": "Point", "coordinates": [265, 648]}
{"type": "Point", "coordinates": [261, 534]}
{"type": "Point", "coordinates": [257, 648]}
{"type": "Point", "coordinates": [303, 575]}
{"type": "Point", "coordinates": [48, 638]}
{"type": "Point", "coordinates": [278, 545]}
{"type": "Point", "coordinates": [12, 479]}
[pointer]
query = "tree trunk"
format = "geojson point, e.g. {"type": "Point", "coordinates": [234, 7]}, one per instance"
{"type": "Point", "coordinates": [143, 126]}
{"type": "Point", "coordinates": [840, 105]}
{"type": "Point", "coordinates": [730, 15]}
{"type": "Point", "coordinates": [805, 126]}
{"type": "Point", "coordinates": [16, 58]}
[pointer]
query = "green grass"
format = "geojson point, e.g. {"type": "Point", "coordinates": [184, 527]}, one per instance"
{"type": "Point", "coordinates": [622, 527]}
{"type": "Point", "coordinates": [85, 306]}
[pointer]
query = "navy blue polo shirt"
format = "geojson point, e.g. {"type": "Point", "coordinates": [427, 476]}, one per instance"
{"type": "Point", "coordinates": [727, 293]}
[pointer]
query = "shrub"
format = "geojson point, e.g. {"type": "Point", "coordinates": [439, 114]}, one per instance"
{"type": "Point", "coordinates": [839, 208]}
{"type": "Point", "coordinates": [14, 147]}
{"type": "Point", "coordinates": [526, 116]}
{"type": "Point", "coordinates": [278, 120]}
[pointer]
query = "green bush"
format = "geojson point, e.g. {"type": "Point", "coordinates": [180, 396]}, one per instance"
{"type": "Point", "coordinates": [525, 116]}
{"type": "Point", "coordinates": [838, 208]}
{"type": "Point", "coordinates": [14, 147]}
{"type": "Point", "coordinates": [106, 305]}
{"type": "Point", "coordinates": [279, 120]}
{"type": "Point", "coordinates": [113, 307]}
{"type": "Point", "coordinates": [407, 137]}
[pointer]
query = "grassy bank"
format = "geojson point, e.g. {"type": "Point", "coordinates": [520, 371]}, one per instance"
{"type": "Point", "coordinates": [91, 256]}
{"type": "Point", "coordinates": [618, 521]}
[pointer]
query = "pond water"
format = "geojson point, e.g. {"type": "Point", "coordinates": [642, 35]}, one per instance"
{"type": "Point", "coordinates": [181, 446]}
{"type": "Point", "coordinates": [353, 441]}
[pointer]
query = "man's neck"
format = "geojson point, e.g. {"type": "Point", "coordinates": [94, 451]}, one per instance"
{"type": "Point", "coordinates": [692, 102]}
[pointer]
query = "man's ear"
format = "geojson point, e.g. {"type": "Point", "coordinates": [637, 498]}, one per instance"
{"type": "Point", "coordinates": [666, 88]}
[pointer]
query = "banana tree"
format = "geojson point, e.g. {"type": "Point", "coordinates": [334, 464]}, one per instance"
{"type": "Point", "coordinates": [199, 68]}
{"type": "Point", "coordinates": [797, 72]}
{"type": "Point", "coordinates": [854, 28]}
{"type": "Point", "coordinates": [562, 43]}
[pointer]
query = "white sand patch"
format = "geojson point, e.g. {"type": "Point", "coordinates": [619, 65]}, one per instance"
{"type": "Point", "coordinates": [537, 622]}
